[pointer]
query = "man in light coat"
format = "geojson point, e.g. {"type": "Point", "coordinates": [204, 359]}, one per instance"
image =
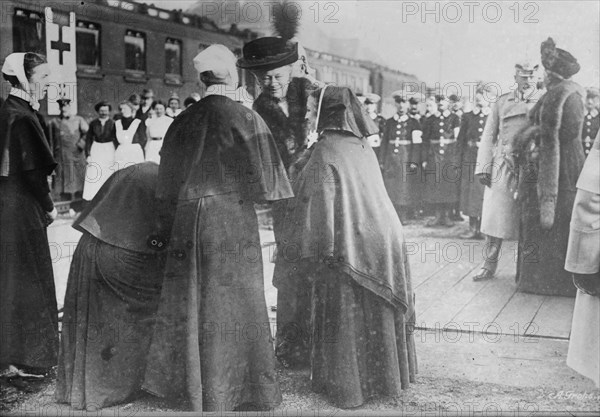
{"type": "Point", "coordinates": [583, 260]}
{"type": "Point", "coordinates": [500, 217]}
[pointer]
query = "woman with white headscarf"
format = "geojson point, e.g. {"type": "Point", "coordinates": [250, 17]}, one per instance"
{"type": "Point", "coordinates": [29, 337]}
{"type": "Point", "coordinates": [211, 342]}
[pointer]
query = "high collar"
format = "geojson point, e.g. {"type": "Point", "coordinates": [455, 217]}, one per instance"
{"type": "Point", "coordinates": [593, 112]}
{"type": "Point", "coordinates": [446, 113]}
{"type": "Point", "coordinates": [485, 110]}
{"type": "Point", "coordinates": [401, 118]}
{"type": "Point", "coordinates": [24, 95]}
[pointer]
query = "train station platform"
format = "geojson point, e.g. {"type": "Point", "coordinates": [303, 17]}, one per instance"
{"type": "Point", "coordinates": [442, 267]}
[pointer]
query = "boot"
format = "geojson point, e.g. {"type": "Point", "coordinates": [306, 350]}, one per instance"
{"type": "Point", "coordinates": [456, 216]}
{"type": "Point", "coordinates": [478, 234]}
{"type": "Point", "coordinates": [436, 220]}
{"type": "Point", "coordinates": [445, 220]}
{"type": "Point", "coordinates": [492, 256]}
{"type": "Point", "coordinates": [473, 232]}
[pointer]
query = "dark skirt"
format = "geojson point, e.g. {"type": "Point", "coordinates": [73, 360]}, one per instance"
{"type": "Point", "coordinates": [292, 346]}
{"type": "Point", "coordinates": [29, 331]}
{"type": "Point", "coordinates": [362, 346]}
{"type": "Point", "coordinates": [212, 342]}
{"type": "Point", "coordinates": [402, 174]}
{"type": "Point", "coordinates": [471, 190]}
{"type": "Point", "coordinates": [112, 295]}
{"type": "Point", "coordinates": [442, 175]}
{"type": "Point", "coordinates": [542, 253]}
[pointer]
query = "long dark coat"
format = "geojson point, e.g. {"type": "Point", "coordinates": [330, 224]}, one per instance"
{"type": "Point", "coordinates": [469, 138]}
{"type": "Point", "coordinates": [29, 334]}
{"type": "Point", "coordinates": [548, 187]}
{"type": "Point", "coordinates": [401, 159]}
{"type": "Point", "coordinates": [69, 152]}
{"type": "Point", "coordinates": [211, 343]}
{"type": "Point", "coordinates": [442, 173]}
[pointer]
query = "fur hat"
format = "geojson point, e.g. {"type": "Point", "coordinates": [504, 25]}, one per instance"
{"type": "Point", "coordinates": [558, 60]}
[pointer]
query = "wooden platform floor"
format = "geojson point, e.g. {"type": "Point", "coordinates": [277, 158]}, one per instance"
{"type": "Point", "coordinates": [448, 299]}
{"type": "Point", "coordinates": [442, 267]}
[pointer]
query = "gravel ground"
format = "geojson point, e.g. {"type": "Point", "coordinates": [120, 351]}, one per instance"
{"type": "Point", "coordinates": [427, 396]}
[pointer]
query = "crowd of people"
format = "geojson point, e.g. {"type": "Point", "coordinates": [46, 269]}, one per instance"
{"type": "Point", "coordinates": [88, 152]}
{"type": "Point", "coordinates": [165, 292]}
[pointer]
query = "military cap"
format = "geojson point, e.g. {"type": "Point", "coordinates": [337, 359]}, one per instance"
{"type": "Point", "coordinates": [371, 98]}
{"type": "Point", "coordinates": [399, 95]}
{"type": "Point", "coordinates": [525, 69]}
{"type": "Point", "coordinates": [439, 98]}
{"type": "Point", "coordinates": [592, 92]}
{"type": "Point", "coordinates": [63, 101]}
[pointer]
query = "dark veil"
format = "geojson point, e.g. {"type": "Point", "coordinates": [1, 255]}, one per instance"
{"type": "Point", "coordinates": [341, 110]}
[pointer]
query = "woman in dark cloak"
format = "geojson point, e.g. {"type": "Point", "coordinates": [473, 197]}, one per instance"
{"type": "Point", "coordinates": [112, 292]}
{"type": "Point", "coordinates": [29, 335]}
{"type": "Point", "coordinates": [343, 233]}
{"type": "Point", "coordinates": [212, 343]}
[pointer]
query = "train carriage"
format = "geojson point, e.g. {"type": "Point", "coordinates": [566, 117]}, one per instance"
{"type": "Point", "coordinates": [111, 49]}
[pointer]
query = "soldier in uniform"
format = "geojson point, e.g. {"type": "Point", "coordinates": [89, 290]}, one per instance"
{"type": "Point", "coordinates": [68, 132]}
{"type": "Point", "coordinates": [442, 169]}
{"type": "Point", "coordinates": [591, 122]}
{"type": "Point", "coordinates": [456, 107]}
{"type": "Point", "coordinates": [500, 216]}
{"type": "Point", "coordinates": [413, 111]}
{"type": "Point", "coordinates": [401, 158]}
{"type": "Point", "coordinates": [469, 138]}
{"type": "Point", "coordinates": [371, 101]}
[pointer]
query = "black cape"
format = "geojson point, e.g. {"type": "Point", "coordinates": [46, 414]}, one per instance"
{"type": "Point", "coordinates": [29, 334]}
{"type": "Point", "coordinates": [217, 159]}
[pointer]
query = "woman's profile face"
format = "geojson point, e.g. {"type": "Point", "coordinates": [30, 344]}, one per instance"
{"type": "Point", "coordinates": [39, 80]}
{"type": "Point", "coordinates": [311, 112]}
{"type": "Point", "coordinates": [125, 110]}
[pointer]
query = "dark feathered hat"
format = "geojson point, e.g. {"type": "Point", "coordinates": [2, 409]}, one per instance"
{"type": "Point", "coordinates": [274, 51]}
{"type": "Point", "coordinates": [558, 60]}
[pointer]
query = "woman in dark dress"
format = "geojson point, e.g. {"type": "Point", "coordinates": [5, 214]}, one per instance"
{"type": "Point", "coordinates": [29, 335]}
{"type": "Point", "coordinates": [112, 292]}
{"type": "Point", "coordinates": [343, 233]}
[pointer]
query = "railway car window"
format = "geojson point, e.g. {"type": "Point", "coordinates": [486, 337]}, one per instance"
{"type": "Point", "coordinates": [135, 51]}
{"type": "Point", "coordinates": [29, 34]}
{"type": "Point", "coordinates": [173, 56]}
{"type": "Point", "coordinates": [87, 36]}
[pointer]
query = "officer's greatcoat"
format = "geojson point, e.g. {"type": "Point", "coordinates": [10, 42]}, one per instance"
{"type": "Point", "coordinates": [508, 116]}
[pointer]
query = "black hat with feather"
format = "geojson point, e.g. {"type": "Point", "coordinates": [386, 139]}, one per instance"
{"type": "Point", "coordinates": [274, 51]}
